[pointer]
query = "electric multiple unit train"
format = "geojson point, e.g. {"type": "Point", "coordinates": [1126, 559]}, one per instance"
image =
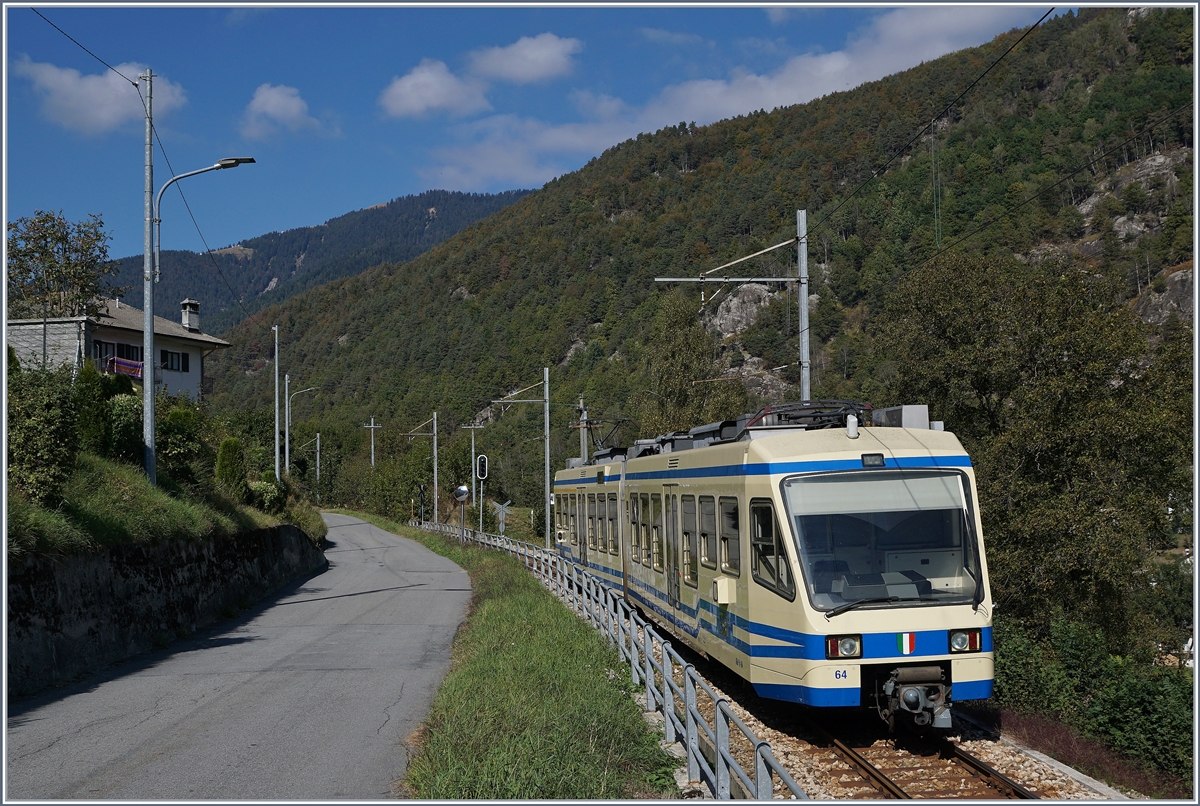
{"type": "Point", "coordinates": [827, 564]}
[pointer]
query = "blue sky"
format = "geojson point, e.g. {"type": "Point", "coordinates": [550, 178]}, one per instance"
{"type": "Point", "coordinates": [344, 108]}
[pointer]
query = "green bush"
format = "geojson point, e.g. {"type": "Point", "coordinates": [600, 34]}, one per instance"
{"type": "Point", "coordinates": [42, 433]}
{"type": "Point", "coordinates": [125, 413]}
{"type": "Point", "coordinates": [231, 469]}
{"type": "Point", "coordinates": [178, 442]}
{"type": "Point", "coordinates": [269, 496]}
{"type": "Point", "coordinates": [1141, 710]}
{"type": "Point", "coordinates": [91, 403]}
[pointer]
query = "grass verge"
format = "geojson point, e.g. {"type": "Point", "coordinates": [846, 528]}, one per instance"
{"type": "Point", "coordinates": [536, 704]}
{"type": "Point", "coordinates": [106, 502]}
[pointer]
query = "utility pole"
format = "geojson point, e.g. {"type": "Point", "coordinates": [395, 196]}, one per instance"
{"type": "Point", "coordinates": [802, 301]}
{"type": "Point", "coordinates": [276, 329]}
{"type": "Point", "coordinates": [545, 401]}
{"type": "Point", "coordinates": [801, 279]}
{"type": "Point", "coordinates": [472, 429]}
{"type": "Point", "coordinates": [372, 426]}
{"type": "Point", "coordinates": [148, 458]}
{"type": "Point", "coordinates": [583, 431]}
{"type": "Point", "coordinates": [416, 433]}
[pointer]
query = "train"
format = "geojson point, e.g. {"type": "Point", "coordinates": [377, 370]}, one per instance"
{"type": "Point", "coordinates": [829, 553]}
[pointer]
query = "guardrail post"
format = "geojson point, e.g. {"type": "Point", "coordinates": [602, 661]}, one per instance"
{"type": "Point", "coordinates": [668, 695]}
{"type": "Point", "coordinates": [648, 660]}
{"type": "Point", "coordinates": [722, 750]}
{"type": "Point", "coordinates": [762, 775]}
{"type": "Point", "coordinates": [690, 727]}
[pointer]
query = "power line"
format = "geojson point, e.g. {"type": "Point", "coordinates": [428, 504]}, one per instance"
{"type": "Point", "coordinates": [85, 50]}
{"type": "Point", "coordinates": [1044, 190]}
{"type": "Point", "coordinates": [917, 136]}
{"type": "Point", "coordinates": [162, 149]}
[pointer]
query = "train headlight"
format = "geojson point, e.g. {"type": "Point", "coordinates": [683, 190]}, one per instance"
{"type": "Point", "coordinates": [965, 640]}
{"type": "Point", "coordinates": [843, 646]}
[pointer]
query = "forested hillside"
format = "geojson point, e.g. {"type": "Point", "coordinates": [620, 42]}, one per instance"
{"type": "Point", "coordinates": [275, 267]}
{"type": "Point", "coordinates": [1059, 189]}
{"type": "Point", "coordinates": [569, 269]}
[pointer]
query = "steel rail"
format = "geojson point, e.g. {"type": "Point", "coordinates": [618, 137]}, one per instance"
{"type": "Point", "coordinates": [991, 775]}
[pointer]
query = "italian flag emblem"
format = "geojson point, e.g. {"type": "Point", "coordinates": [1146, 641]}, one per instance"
{"type": "Point", "coordinates": [906, 642]}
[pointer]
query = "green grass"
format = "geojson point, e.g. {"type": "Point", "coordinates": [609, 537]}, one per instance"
{"type": "Point", "coordinates": [106, 502]}
{"type": "Point", "coordinates": [536, 704]}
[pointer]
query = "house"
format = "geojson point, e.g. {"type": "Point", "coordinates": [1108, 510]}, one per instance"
{"type": "Point", "coordinates": [112, 339]}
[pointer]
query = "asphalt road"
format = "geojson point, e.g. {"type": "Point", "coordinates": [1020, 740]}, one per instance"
{"type": "Point", "coordinates": [308, 695]}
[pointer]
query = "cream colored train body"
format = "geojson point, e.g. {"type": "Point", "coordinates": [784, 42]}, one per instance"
{"type": "Point", "coordinates": [829, 566]}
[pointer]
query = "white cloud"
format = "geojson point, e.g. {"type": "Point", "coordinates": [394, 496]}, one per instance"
{"type": "Point", "coordinates": [892, 42]}
{"type": "Point", "coordinates": [529, 59]}
{"type": "Point", "coordinates": [504, 150]}
{"type": "Point", "coordinates": [98, 103]}
{"type": "Point", "coordinates": [778, 15]}
{"type": "Point", "coordinates": [431, 86]}
{"type": "Point", "coordinates": [662, 37]}
{"type": "Point", "coordinates": [273, 107]}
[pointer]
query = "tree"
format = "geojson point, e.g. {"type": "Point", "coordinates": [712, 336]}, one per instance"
{"type": "Point", "coordinates": [58, 267]}
{"type": "Point", "coordinates": [1076, 444]}
{"type": "Point", "coordinates": [679, 352]}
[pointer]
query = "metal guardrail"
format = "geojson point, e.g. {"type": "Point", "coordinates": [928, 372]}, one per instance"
{"type": "Point", "coordinates": [655, 666]}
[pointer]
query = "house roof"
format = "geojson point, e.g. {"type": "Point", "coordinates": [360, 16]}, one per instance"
{"type": "Point", "coordinates": [126, 317]}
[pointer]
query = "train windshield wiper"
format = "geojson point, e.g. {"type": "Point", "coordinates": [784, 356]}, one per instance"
{"type": "Point", "coordinates": [842, 608]}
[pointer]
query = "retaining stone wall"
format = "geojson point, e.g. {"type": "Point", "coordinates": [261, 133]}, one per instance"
{"type": "Point", "coordinates": [71, 615]}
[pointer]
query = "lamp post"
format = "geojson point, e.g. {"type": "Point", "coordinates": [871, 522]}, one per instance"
{"type": "Point", "coordinates": [287, 422]}
{"type": "Point", "coordinates": [152, 239]}
{"type": "Point", "coordinates": [276, 329]}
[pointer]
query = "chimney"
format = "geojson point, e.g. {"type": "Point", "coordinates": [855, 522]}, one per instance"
{"type": "Point", "coordinates": [191, 314]}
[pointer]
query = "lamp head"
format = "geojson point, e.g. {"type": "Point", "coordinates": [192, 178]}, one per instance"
{"type": "Point", "coordinates": [233, 162]}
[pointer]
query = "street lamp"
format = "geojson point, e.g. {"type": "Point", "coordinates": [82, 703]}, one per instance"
{"type": "Point", "coordinates": [276, 329]}
{"type": "Point", "coordinates": [287, 422]}
{"type": "Point", "coordinates": [148, 304]}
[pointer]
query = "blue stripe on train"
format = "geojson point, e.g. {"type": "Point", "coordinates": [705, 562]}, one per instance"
{"type": "Point", "coordinates": [850, 696]}
{"type": "Point", "coordinates": [774, 468]}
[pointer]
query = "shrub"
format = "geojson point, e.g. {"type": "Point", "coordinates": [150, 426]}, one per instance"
{"type": "Point", "coordinates": [91, 403]}
{"type": "Point", "coordinates": [42, 433]}
{"type": "Point", "coordinates": [125, 412]}
{"type": "Point", "coordinates": [178, 442]}
{"type": "Point", "coordinates": [231, 469]}
{"type": "Point", "coordinates": [1137, 709]}
{"type": "Point", "coordinates": [268, 496]}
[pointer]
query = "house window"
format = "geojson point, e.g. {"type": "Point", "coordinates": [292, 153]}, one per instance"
{"type": "Point", "coordinates": [177, 362]}
{"type": "Point", "coordinates": [103, 350]}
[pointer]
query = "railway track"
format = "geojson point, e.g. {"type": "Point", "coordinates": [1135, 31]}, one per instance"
{"type": "Point", "coordinates": [908, 767]}
{"type": "Point", "coordinates": [857, 759]}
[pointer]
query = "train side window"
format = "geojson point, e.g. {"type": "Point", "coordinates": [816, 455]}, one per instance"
{"type": "Point", "coordinates": [689, 540]}
{"type": "Point", "coordinates": [614, 544]}
{"type": "Point", "coordinates": [645, 528]}
{"type": "Point", "coordinates": [601, 523]}
{"type": "Point", "coordinates": [708, 531]}
{"type": "Point", "coordinates": [656, 526]}
{"type": "Point", "coordinates": [574, 506]}
{"type": "Point", "coordinates": [768, 557]}
{"type": "Point", "coordinates": [591, 521]}
{"type": "Point", "coordinates": [731, 537]}
{"type": "Point", "coordinates": [635, 526]}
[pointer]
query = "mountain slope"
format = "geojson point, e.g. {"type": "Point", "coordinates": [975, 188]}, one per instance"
{"type": "Point", "coordinates": [565, 277]}
{"type": "Point", "coordinates": [274, 267]}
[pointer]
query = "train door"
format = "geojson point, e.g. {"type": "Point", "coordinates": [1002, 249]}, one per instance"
{"type": "Point", "coordinates": [672, 565]}
{"type": "Point", "coordinates": [587, 521]}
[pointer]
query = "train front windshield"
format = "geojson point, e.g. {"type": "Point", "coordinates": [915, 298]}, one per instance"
{"type": "Point", "coordinates": [884, 536]}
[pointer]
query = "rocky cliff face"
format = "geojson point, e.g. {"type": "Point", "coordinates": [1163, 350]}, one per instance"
{"type": "Point", "coordinates": [1174, 295]}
